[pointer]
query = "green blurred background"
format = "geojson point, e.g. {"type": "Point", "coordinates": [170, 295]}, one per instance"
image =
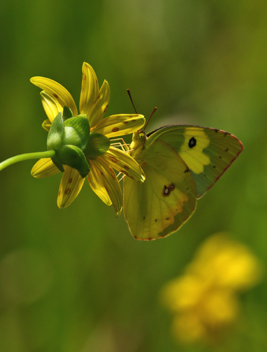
{"type": "Point", "coordinates": [75, 280]}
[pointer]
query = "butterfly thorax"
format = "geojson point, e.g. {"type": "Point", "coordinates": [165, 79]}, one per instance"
{"type": "Point", "coordinates": [138, 144]}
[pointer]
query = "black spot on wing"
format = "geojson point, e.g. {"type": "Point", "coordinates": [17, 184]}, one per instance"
{"type": "Point", "coordinates": [167, 189]}
{"type": "Point", "coordinates": [192, 142]}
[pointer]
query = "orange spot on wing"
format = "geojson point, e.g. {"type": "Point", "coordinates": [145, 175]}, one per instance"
{"type": "Point", "coordinates": [124, 172]}
{"type": "Point", "coordinates": [70, 180]}
{"type": "Point", "coordinates": [126, 167]}
{"type": "Point", "coordinates": [125, 122]}
{"type": "Point", "coordinates": [115, 129]}
{"type": "Point", "coordinates": [55, 95]}
{"type": "Point", "coordinates": [84, 77]}
{"type": "Point", "coordinates": [105, 109]}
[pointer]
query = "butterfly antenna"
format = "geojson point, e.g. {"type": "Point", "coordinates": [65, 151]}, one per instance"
{"type": "Point", "coordinates": [154, 110]}
{"type": "Point", "coordinates": [128, 91]}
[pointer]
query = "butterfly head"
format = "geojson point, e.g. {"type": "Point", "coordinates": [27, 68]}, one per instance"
{"type": "Point", "coordinates": [139, 140]}
{"type": "Point", "coordinates": [139, 137]}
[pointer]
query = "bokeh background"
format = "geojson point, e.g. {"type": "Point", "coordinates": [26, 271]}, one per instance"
{"type": "Point", "coordinates": [74, 280]}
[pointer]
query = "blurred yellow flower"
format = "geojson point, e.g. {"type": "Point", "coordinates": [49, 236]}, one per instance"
{"type": "Point", "coordinates": [102, 161]}
{"type": "Point", "coordinates": [204, 299]}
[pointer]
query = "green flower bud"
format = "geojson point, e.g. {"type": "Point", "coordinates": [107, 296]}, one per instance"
{"type": "Point", "coordinates": [68, 139]}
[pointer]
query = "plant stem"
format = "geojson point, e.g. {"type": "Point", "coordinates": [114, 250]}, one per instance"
{"type": "Point", "coordinates": [27, 156]}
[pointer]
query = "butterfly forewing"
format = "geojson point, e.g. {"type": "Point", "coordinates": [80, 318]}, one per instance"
{"type": "Point", "coordinates": [207, 152]}
{"type": "Point", "coordinates": [166, 199]}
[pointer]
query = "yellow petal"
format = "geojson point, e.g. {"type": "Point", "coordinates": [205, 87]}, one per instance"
{"type": "Point", "coordinates": [110, 183]}
{"type": "Point", "coordinates": [123, 162]}
{"type": "Point", "coordinates": [89, 90]}
{"type": "Point", "coordinates": [46, 125]}
{"type": "Point", "coordinates": [51, 106]}
{"type": "Point", "coordinates": [44, 168]}
{"type": "Point", "coordinates": [189, 328]}
{"type": "Point", "coordinates": [100, 106]}
{"type": "Point", "coordinates": [96, 182]}
{"type": "Point", "coordinates": [118, 125]}
{"type": "Point", "coordinates": [219, 307]}
{"type": "Point", "coordinates": [55, 89]}
{"type": "Point", "coordinates": [70, 187]}
{"type": "Point", "coordinates": [184, 292]}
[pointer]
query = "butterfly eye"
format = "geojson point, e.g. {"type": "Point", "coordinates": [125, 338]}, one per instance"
{"type": "Point", "coordinates": [142, 136]}
{"type": "Point", "coordinates": [192, 142]}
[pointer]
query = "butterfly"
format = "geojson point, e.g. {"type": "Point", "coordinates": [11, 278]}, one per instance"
{"type": "Point", "coordinates": [181, 163]}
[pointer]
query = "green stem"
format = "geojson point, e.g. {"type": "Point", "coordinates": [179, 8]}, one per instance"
{"type": "Point", "coordinates": [27, 156]}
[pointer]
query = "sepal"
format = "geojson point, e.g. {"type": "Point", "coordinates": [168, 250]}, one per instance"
{"type": "Point", "coordinates": [77, 131]}
{"type": "Point", "coordinates": [74, 157]}
{"type": "Point", "coordinates": [56, 133]}
{"type": "Point", "coordinates": [97, 145]}
{"type": "Point", "coordinates": [58, 163]}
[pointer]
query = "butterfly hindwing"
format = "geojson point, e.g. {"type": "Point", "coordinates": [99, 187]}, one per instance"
{"type": "Point", "coordinates": [166, 199]}
{"type": "Point", "coordinates": [206, 151]}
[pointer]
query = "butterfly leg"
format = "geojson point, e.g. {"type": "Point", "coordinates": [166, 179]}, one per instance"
{"type": "Point", "coordinates": [120, 144]}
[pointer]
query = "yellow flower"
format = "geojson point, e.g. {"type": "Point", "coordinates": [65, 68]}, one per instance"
{"type": "Point", "coordinates": [233, 264]}
{"type": "Point", "coordinates": [204, 299]}
{"type": "Point", "coordinates": [93, 104]}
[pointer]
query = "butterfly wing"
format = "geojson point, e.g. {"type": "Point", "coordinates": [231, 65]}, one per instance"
{"type": "Point", "coordinates": [166, 199]}
{"type": "Point", "coordinates": [206, 151]}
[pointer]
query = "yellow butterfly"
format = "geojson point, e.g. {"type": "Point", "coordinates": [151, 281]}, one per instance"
{"type": "Point", "coordinates": [181, 163]}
